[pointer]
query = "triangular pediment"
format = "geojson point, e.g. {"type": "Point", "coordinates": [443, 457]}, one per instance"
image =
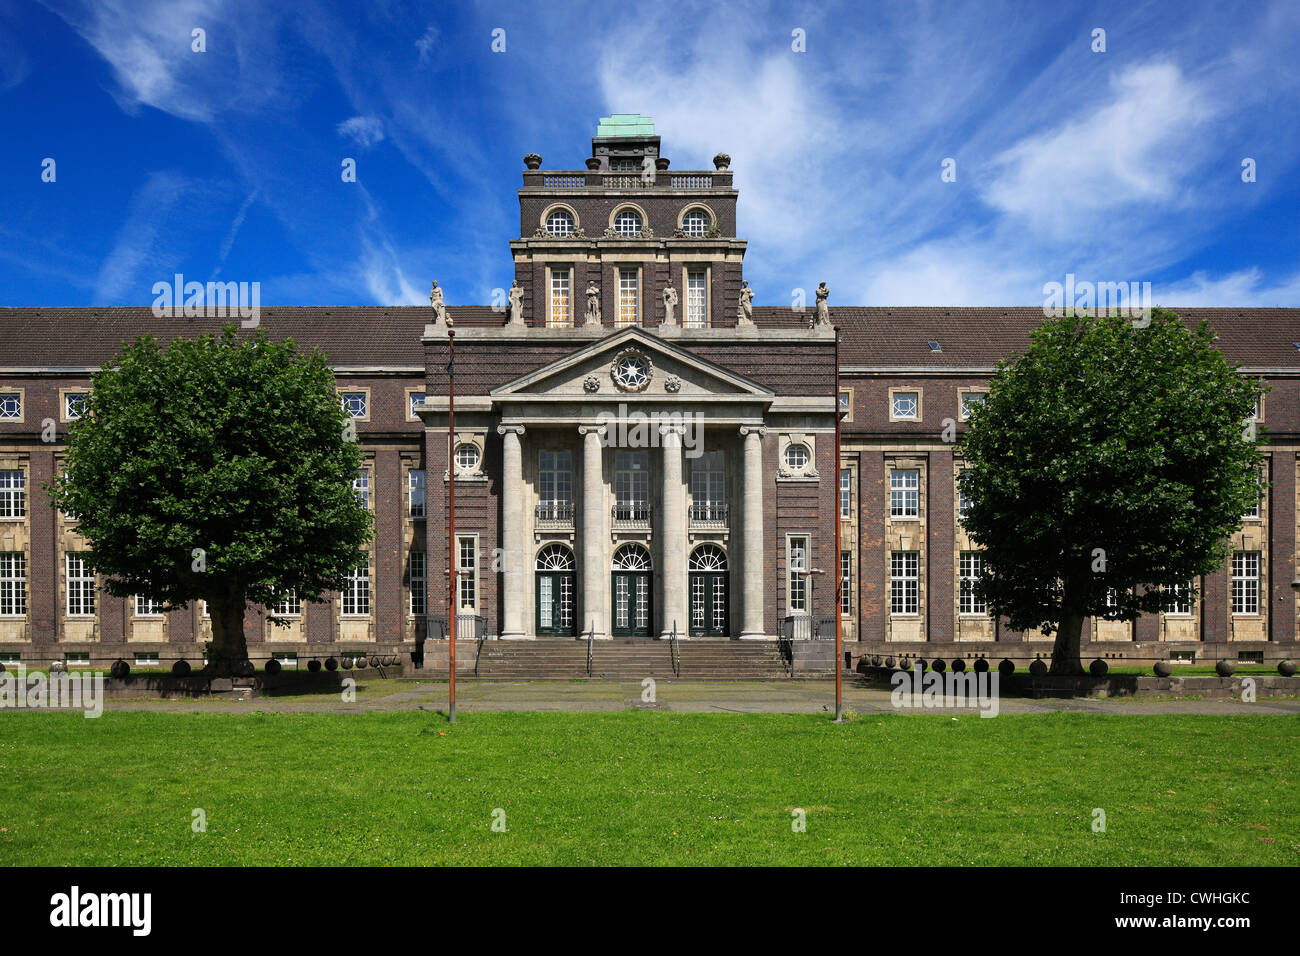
{"type": "Point", "coordinates": [675, 373]}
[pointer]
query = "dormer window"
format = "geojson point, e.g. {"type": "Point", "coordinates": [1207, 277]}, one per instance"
{"type": "Point", "coordinates": [627, 223]}
{"type": "Point", "coordinates": [560, 223]}
{"type": "Point", "coordinates": [696, 223]}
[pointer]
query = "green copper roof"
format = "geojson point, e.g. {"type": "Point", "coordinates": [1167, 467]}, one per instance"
{"type": "Point", "coordinates": [625, 124]}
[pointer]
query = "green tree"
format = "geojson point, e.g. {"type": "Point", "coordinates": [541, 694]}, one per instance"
{"type": "Point", "coordinates": [1109, 459]}
{"type": "Point", "coordinates": [219, 469]}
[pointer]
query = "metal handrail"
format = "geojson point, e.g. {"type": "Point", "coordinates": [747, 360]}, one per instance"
{"type": "Point", "coordinates": [631, 513]}
{"type": "Point", "coordinates": [591, 637]}
{"type": "Point", "coordinates": [709, 512]}
{"type": "Point", "coordinates": [675, 650]}
{"type": "Point", "coordinates": [555, 511]}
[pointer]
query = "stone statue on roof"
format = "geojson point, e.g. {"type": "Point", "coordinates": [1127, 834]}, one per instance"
{"type": "Point", "coordinates": [516, 304]}
{"type": "Point", "coordinates": [593, 304]}
{"type": "Point", "coordinates": [440, 316]}
{"type": "Point", "coordinates": [745, 307]}
{"type": "Point", "coordinates": [670, 305]}
{"type": "Point", "coordinates": [823, 310]}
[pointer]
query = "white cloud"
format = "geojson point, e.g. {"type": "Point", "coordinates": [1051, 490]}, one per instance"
{"type": "Point", "coordinates": [1246, 288]}
{"type": "Point", "coordinates": [365, 131]}
{"type": "Point", "coordinates": [138, 245]}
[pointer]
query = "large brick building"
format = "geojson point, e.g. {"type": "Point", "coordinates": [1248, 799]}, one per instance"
{"type": "Point", "coordinates": [635, 448]}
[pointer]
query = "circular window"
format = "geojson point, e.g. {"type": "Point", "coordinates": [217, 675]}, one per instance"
{"type": "Point", "coordinates": [560, 223]}
{"type": "Point", "coordinates": [695, 223]}
{"type": "Point", "coordinates": [797, 457]}
{"type": "Point", "coordinates": [467, 457]}
{"type": "Point", "coordinates": [627, 223]}
{"type": "Point", "coordinates": [630, 371]}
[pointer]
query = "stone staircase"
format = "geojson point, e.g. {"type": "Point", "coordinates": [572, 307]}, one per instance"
{"type": "Point", "coordinates": [622, 659]}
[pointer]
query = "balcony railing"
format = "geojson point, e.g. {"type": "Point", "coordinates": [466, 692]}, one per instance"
{"type": "Point", "coordinates": [554, 514]}
{"type": "Point", "coordinates": [563, 181]}
{"type": "Point", "coordinates": [709, 514]}
{"type": "Point", "coordinates": [631, 515]}
{"type": "Point", "coordinates": [805, 627]}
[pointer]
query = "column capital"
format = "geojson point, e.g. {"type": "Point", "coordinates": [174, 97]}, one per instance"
{"type": "Point", "coordinates": [672, 429]}
{"type": "Point", "coordinates": [747, 430]}
{"type": "Point", "coordinates": [597, 430]}
{"type": "Point", "coordinates": [511, 429]}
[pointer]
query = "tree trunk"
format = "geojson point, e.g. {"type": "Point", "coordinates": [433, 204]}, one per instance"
{"type": "Point", "coordinates": [228, 650]}
{"type": "Point", "coordinates": [1066, 650]}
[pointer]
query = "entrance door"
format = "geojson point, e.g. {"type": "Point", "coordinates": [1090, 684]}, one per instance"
{"type": "Point", "coordinates": [631, 594]}
{"type": "Point", "coordinates": [555, 589]}
{"type": "Point", "coordinates": [708, 584]}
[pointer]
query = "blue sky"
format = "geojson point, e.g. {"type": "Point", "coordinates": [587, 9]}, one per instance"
{"type": "Point", "coordinates": [1115, 166]}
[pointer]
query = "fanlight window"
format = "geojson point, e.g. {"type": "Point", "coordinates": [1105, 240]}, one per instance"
{"type": "Point", "coordinates": [627, 223]}
{"type": "Point", "coordinates": [554, 557]}
{"type": "Point", "coordinates": [632, 557]}
{"type": "Point", "coordinates": [708, 557]}
{"type": "Point", "coordinates": [559, 223]}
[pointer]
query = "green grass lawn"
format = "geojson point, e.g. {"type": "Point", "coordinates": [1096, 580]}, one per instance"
{"type": "Point", "coordinates": [647, 788]}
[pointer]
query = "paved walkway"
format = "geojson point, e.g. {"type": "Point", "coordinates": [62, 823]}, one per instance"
{"type": "Point", "coordinates": [740, 697]}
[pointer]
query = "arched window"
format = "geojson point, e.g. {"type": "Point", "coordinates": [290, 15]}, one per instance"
{"type": "Point", "coordinates": [555, 591]}
{"type": "Point", "coordinates": [560, 223]}
{"type": "Point", "coordinates": [696, 223]}
{"type": "Point", "coordinates": [632, 557]}
{"type": "Point", "coordinates": [709, 592]}
{"type": "Point", "coordinates": [555, 557]}
{"type": "Point", "coordinates": [708, 557]}
{"type": "Point", "coordinates": [627, 223]}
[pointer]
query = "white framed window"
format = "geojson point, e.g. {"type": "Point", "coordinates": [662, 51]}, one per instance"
{"type": "Point", "coordinates": [627, 223]}
{"type": "Point", "coordinates": [560, 223]}
{"type": "Point", "coordinates": [74, 405]}
{"type": "Point", "coordinates": [905, 583]}
{"type": "Point", "coordinates": [969, 568]}
{"type": "Point", "coordinates": [846, 583]}
{"type": "Point", "coordinates": [467, 572]}
{"type": "Point", "coordinates": [797, 567]}
{"type": "Point", "coordinates": [709, 486]}
{"type": "Point", "coordinates": [555, 482]}
{"type": "Point", "coordinates": [361, 485]}
{"type": "Point", "coordinates": [631, 478]}
{"type": "Point", "coordinates": [356, 592]}
{"type": "Point", "coordinates": [904, 405]}
{"type": "Point", "coordinates": [11, 406]}
{"type": "Point", "coordinates": [846, 493]}
{"type": "Point", "coordinates": [414, 402]}
{"type": "Point", "coordinates": [560, 314]}
{"type": "Point", "coordinates": [1245, 582]}
{"type": "Point", "coordinates": [845, 403]}
{"type": "Point", "coordinates": [289, 605]}
{"type": "Point", "coordinates": [77, 659]}
{"type": "Point", "coordinates": [13, 494]}
{"type": "Point", "coordinates": [286, 658]}
{"type": "Point", "coordinates": [147, 607]}
{"type": "Point", "coordinates": [415, 492]}
{"type": "Point", "coordinates": [1253, 513]}
{"type": "Point", "coordinates": [968, 399]}
{"type": "Point", "coordinates": [1182, 600]}
{"type": "Point", "coordinates": [697, 299]}
{"type": "Point", "coordinates": [629, 299]}
{"type": "Point", "coordinates": [696, 223]}
{"type": "Point", "coordinates": [797, 456]}
{"type": "Point", "coordinates": [963, 498]}
{"type": "Point", "coordinates": [467, 458]}
{"type": "Point", "coordinates": [80, 585]}
{"type": "Point", "coordinates": [905, 493]}
{"type": "Point", "coordinates": [13, 584]}
{"type": "Point", "coordinates": [356, 404]}
{"type": "Point", "coordinates": [418, 572]}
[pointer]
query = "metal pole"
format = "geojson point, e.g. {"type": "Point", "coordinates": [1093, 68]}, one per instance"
{"type": "Point", "coordinates": [839, 556]}
{"type": "Point", "coordinates": [453, 581]}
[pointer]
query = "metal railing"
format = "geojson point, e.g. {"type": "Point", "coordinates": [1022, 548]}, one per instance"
{"type": "Point", "coordinates": [676, 650]}
{"type": "Point", "coordinates": [469, 627]}
{"type": "Point", "coordinates": [709, 514]}
{"type": "Point", "coordinates": [805, 627]}
{"type": "Point", "coordinates": [591, 640]}
{"type": "Point", "coordinates": [555, 514]}
{"type": "Point", "coordinates": [631, 515]}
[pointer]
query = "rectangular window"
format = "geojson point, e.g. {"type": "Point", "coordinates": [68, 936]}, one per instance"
{"type": "Point", "coordinates": [708, 487]}
{"type": "Point", "coordinates": [361, 485]}
{"type": "Point", "coordinates": [1245, 582]}
{"type": "Point", "coordinates": [798, 567]}
{"type": "Point", "coordinates": [846, 582]}
{"type": "Point", "coordinates": [697, 299]}
{"type": "Point", "coordinates": [146, 658]}
{"type": "Point", "coordinates": [355, 404]}
{"type": "Point", "coordinates": [968, 401]}
{"type": "Point", "coordinates": [905, 493]}
{"type": "Point", "coordinates": [289, 605]}
{"type": "Point", "coordinates": [13, 494]}
{"type": "Point", "coordinates": [905, 405]}
{"type": "Point", "coordinates": [846, 493]}
{"type": "Point", "coordinates": [13, 584]}
{"type": "Point", "coordinates": [904, 582]}
{"type": "Point", "coordinates": [1253, 513]}
{"type": "Point", "coordinates": [845, 402]}
{"type": "Point", "coordinates": [560, 315]}
{"type": "Point", "coordinates": [416, 400]}
{"type": "Point", "coordinates": [286, 658]}
{"type": "Point", "coordinates": [81, 586]}
{"type": "Point", "coordinates": [555, 484]}
{"type": "Point", "coordinates": [467, 571]}
{"type": "Point", "coordinates": [417, 583]}
{"type": "Point", "coordinates": [963, 499]}
{"type": "Point", "coordinates": [628, 299]}
{"type": "Point", "coordinates": [415, 486]}
{"type": "Point", "coordinates": [356, 592]}
{"type": "Point", "coordinates": [74, 405]}
{"type": "Point", "coordinates": [631, 478]}
{"type": "Point", "coordinates": [969, 569]}
{"type": "Point", "coordinates": [147, 607]}
{"type": "Point", "coordinates": [1182, 599]}
{"type": "Point", "coordinates": [11, 407]}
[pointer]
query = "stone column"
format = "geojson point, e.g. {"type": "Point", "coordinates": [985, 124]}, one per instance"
{"type": "Point", "coordinates": [512, 531]}
{"type": "Point", "coordinates": [594, 608]}
{"type": "Point", "coordinates": [672, 535]}
{"type": "Point", "coordinates": [751, 559]}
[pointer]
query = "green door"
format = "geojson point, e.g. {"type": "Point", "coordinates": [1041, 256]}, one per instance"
{"type": "Point", "coordinates": [709, 602]}
{"type": "Point", "coordinates": [555, 604]}
{"type": "Point", "coordinates": [632, 612]}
